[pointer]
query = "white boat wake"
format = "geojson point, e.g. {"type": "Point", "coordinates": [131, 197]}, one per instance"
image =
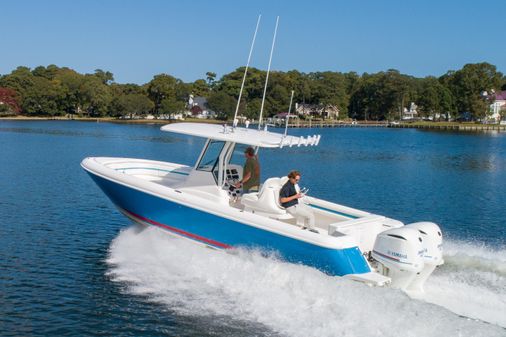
{"type": "Point", "coordinates": [295, 300]}
{"type": "Point", "coordinates": [471, 283]}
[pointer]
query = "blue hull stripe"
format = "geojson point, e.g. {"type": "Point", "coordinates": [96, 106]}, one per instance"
{"type": "Point", "coordinates": [212, 228]}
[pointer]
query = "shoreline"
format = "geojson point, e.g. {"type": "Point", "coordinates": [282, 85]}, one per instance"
{"type": "Point", "coordinates": [451, 126]}
{"type": "Point", "coordinates": [109, 120]}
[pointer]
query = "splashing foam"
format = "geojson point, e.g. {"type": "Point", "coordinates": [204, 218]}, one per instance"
{"type": "Point", "coordinates": [291, 299]}
{"type": "Point", "coordinates": [472, 282]}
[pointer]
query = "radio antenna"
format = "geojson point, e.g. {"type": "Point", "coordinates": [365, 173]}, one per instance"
{"type": "Point", "coordinates": [267, 77]}
{"type": "Point", "coordinates": [245, 72]}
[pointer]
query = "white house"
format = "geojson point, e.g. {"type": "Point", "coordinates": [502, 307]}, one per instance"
{"type": "Point", "coordinates": [317, 110]}
{"type": "Point", "coordinates": [197, 107]}
{"type": "Point", "coordinates": [498, 107]}
{"type": "Point", "coordinates": [412, 113]}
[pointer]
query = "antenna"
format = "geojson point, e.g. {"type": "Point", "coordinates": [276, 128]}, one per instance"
{"type": "Point", "coordinates": [288, 116]}
{"type": "Point", "coordinates": [267, 77]}
{"type": "Point", "coordinates": [246, 71]}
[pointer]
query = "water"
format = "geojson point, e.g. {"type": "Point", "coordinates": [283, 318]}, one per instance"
{"type": "Point", "coordinates": [70, 264]}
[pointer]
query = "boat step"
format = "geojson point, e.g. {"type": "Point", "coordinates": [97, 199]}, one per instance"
{"type": "Point", "coordinates": [370, 278]}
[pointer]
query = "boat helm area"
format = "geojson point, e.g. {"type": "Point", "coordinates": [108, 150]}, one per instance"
{"type": "Point", "coordinates": [220, 166]}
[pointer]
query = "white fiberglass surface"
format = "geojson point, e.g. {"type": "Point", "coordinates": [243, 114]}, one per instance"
{"type": "Point", "coordinates": [296, 300]}
{"type": "Point", "coordinates": [167, 174]}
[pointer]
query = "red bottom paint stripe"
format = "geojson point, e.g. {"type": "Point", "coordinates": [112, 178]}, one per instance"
{"type": "Point", "coordinates": [180, 232]}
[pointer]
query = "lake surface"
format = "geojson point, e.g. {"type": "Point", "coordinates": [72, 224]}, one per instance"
{"type": "Point", "coordinates": [70, 264]}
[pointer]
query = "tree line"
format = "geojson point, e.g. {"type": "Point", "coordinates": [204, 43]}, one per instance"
{"type": "Point", "coordinates": [58, 91]}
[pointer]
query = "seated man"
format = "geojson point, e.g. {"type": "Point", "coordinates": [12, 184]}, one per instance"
{"type": "Point", "coordinates": [288, 197]}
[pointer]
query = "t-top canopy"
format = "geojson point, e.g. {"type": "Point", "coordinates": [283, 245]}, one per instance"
{"type": "Point", "coordinates": [239, 135]}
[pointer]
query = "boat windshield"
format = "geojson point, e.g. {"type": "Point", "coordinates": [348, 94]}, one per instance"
{"type": "Point", "coordinates": [237, 157]}
{"type": "Point", "coordinates": [210, 158]}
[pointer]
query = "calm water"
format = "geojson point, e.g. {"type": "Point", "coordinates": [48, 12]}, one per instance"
{"type": "Point", "coordinates": [70, 264]}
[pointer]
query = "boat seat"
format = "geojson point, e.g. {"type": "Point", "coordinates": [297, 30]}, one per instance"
{"type": "Point", "coordinates": [266, 201]}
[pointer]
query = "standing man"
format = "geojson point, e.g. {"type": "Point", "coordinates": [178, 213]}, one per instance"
{"type": "Point", "coordinates": [250, 173]}
{"type": "Point", "coordinates": [289, 199]}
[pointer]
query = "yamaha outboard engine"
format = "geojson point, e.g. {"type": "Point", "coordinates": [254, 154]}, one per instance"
{"type": "Point", "coordinates": [409, 254]}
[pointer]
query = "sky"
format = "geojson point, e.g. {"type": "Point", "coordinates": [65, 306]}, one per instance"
{"type": "Point", "coordinates": [136, 40]}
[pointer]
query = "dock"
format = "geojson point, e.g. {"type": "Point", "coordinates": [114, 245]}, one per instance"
{"type": "Point", "coordinates": [454, 127]}
{"type": "Point", "coordinates": [333, 124]}
{"type": "Point", "coordinates": [381, 124]}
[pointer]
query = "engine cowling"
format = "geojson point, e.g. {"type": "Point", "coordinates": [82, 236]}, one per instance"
{"type": "Point", "coordinates": [409, 254]}
{"type": "Point", "coordinates": [432, 243]}
{"type": "Point", "coordinates": [400, 251]}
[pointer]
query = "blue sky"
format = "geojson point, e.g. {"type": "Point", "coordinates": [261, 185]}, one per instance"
{"type": "Point", "coordinates": [136, 40]}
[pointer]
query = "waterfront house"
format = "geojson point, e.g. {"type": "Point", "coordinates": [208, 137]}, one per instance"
{"type": "Point", "coordinates": [498, 106]}
{"type": "Point", "coordinates": [280, 118]}
{"type": "Point", "coordinates": [410, 114]}
{"type": "Point", "coordinates": [317, 110]}
{"type": "Point", "coordinates": [197, 107]}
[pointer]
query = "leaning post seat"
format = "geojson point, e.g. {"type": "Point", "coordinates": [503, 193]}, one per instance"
{"type": "Point", "coordinates": [266, 201]}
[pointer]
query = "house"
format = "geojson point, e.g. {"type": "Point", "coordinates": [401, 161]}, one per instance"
{"type": "Point", "coordinates": [317, 110]}
{"type": "Point", "coordinates": [411, 113]}
{"type": "Point", "coordinates": [498, 107]}
{"type": "Point", "coordinates": [280, 118]}
{"type": "Point", "coordinates": [197, 107]}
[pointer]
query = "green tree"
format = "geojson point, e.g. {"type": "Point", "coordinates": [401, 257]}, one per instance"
{"type": "Point", "coordinates": [222, 104]}
{"type": "Point", "coordinates": [105, 77]}
{"type": "Point", "coordinates": [252, 108]}
{"type": "Point", "coordinates": [382, 95]}
{"type": "Point", "coordinates": [200, 88]}
{"type": "Point", "coordinates": [43, 97]}
{"type": "Point", "coordinates": [116, 107]}
{"type": "Point", "coordinates": [48, 72]}
{"type": "Point", "coordinates": [160, 87]}
{"type": "Point", "coordinates": [211, 79]}
{"type": "Point", "coordinates": [468, 84]}
{"type": "Point", "coordinates": [172, 106]}
{"type": "Point", "coordinates": [434, 98]}
{"type": "Point", "coordinates": [20, 80]}
{"type": "Point", "coordinates": [329, 88]}
{"type": "Point", "coordinates": [96, 96]}
{"type": "Point", "coordinates": [72, 82]}
{"type": "Point", "coordinates": [133, 104]}
{"type": "Point", "coordinates": [4, 109]}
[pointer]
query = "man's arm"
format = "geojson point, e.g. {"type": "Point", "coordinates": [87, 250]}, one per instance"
{"type": "Point", "coordinates": [246, 177]}
{"type": "Point", "coordinates": [287, 199]}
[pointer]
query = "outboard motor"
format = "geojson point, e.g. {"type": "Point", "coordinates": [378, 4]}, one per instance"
{"type": "Point", "coordinates": [409, 254]}
{"type": "Point", "coordinates": [432, 243]}
{"type": "Point", "coordinates": [399, 251]}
